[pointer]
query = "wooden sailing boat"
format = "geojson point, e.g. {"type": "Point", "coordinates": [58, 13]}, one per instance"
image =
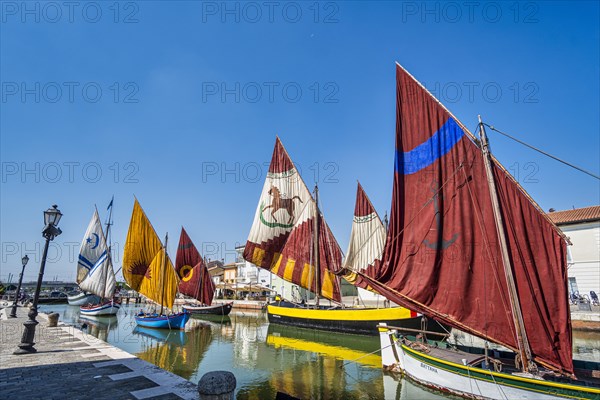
{"type": "Point", "coordinates": [195, 279]}
{"type": "Point", "coordinates": [147, 269]}
{"type": "Point", "coordinates": [469, 247]}
{"type": "Point", "coordinates": [290, 238]}
{"type": "Point", "coordinates": [81, 297]}
{"type": "Point", "coordinates": [100, 279]}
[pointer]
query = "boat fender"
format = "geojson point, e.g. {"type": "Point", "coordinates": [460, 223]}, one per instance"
{"type": "Point", "coordinates": [497, 365]}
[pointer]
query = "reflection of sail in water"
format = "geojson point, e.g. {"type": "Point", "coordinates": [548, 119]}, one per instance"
{"type": "Point", "coordinates": [99, 327]}
{"type": "Point", "coordinates": [360, 348]}
{"type": "Point", "coordinates": [321, 367]}
{"type": "Point", "coordinates": [177, 352]}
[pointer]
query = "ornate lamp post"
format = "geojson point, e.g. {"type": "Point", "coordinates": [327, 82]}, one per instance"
{"type": "Point", "coordinates": [51, 218]}
{"type": "Point", "coordinates": [13, 312]}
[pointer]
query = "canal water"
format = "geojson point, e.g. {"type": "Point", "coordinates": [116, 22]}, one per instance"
{"type": "Point", "coordinates": [268, 359]}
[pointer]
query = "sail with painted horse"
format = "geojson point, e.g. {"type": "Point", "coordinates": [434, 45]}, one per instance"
{"type": "Point", "coordinates": [148, 270]}
{"type": "Point", "coordinates": [196, 281]}
{"type": "Point", "coordinates": [290, 238]}
{"type": "Point", "coordinates": [467, 246]}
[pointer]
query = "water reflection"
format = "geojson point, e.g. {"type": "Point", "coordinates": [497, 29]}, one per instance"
{"type": "Point", "coordinates": [313, 364]}
{"type": "Point", "coordinates": [99, 326]}
{"type": "Point", "coordinates": [396, 388]}
{"type": "Point", "coordinates": [176, 351]}
{"type": "Point", "coordinates": [267, 359]}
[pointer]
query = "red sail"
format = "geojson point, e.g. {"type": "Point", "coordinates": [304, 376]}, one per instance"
{"type": "Point", "coordinates": [195, 279]}
{"type": "Point", "coordinates": [442, 255]}
{"type": "Point", "coordinates": [281, 237]}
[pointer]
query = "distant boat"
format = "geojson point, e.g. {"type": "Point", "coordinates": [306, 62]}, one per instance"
{"type": "Point", "coordinates": [100, 279]}
{"type": "Point", "coordinates": [469, 247]}
{"type": "Point", "coordinates": [195, 279]}
{"type": "Point", "coordinates": [290, 238]}
{"type": "Point", "coordinates": [81, 298]}
{"type": "Point", "coordinates": [148, 270]}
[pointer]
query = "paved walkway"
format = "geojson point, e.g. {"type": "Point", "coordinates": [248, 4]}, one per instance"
{"type": "Point", "coordinates": [70, 364]}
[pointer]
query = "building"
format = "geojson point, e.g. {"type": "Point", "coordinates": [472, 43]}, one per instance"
{"type": "Point", "coordinates": [582, 227]}
{"type": "Point", "coordinates": [249, 273]}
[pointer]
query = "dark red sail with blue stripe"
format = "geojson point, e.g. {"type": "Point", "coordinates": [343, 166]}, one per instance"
{"type": "Point", "coordinates": [195, 278]}
{"type": "Point", "coordinates": [442, 256]}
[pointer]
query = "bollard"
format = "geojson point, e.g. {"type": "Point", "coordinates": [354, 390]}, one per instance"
{"type": "Point", "coordinates": [217, 385]}
{"type": "Point", "coordinates": [53, 319]}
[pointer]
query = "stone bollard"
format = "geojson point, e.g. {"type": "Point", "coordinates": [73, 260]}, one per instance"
{"type": "Point", "coordinates": [217, 385]}
{"type": "Point", "coordinates": [53, 319]}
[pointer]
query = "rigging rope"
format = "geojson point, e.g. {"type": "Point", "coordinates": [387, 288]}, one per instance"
{"type": "Point", "coordinates": [543, 152]}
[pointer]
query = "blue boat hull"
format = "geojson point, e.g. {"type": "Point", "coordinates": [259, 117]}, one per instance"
{"type": "Point", "coordinates": [175, 321]}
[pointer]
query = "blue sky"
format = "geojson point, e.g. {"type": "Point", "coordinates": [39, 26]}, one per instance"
{"type": "Point", "coordinates": [178, 103]}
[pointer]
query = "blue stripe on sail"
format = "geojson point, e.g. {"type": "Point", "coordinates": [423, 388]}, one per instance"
{"type": "Point", "coordinates": [85, 262]}
{"type": "Point", "coordinates": [422, 156]}
{"type": "Point", "coordinates": [101, 260]}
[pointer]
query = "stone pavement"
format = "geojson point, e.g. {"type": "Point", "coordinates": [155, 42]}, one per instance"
{"type": "Point", "coordinates": [72, 365]}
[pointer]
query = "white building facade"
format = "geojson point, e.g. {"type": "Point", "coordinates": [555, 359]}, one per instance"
{"type": "Point", "coordinates": [582, 226]}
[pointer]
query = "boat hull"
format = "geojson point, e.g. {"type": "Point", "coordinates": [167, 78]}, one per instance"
{"type": "Point", "coordinates": [107, 308]}
{"type": "Point", "coordinates": [469, 381]}
{"type": "Point", "coordinates": [81, 299]}
{"type": "Point", "coordinates": [361, 321]}
{"type": "Point", "coordinates": [219, 309]}
{"type": "Point", "coordinates": [175, 321]}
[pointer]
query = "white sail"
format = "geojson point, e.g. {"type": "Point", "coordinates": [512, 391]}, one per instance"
{"type": "Point", "coordinates": [94, 259]}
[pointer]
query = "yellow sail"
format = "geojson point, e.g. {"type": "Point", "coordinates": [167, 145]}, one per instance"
{"type": "Point", "coordinates": [144, 266]}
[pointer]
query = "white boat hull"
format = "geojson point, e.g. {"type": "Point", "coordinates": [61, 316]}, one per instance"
{"type": "Point", "coordinates": [81, 299]}
{"type": "Point", "coordinates": [102, 309]}
{"type": "Point", "coordinates": [469, 381]}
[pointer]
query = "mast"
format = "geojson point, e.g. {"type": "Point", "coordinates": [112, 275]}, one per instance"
{"type": "Point", "coordinates": [200, 281]}
{"type": "Point", "coordinates": [108, 246]}
{"type": "Point", "coordinates": [164, 271]}
{"type": "Point", "coordinates": [316, 247]}
{"type": "Point", "coordinates": [522, 342]}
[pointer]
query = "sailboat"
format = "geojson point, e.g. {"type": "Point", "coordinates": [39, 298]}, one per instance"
{"type": "Point", "coordinates": [469, 247]}
{"type": "Point", "coordinates": [82, 297]}
{"type": "Point", "coordinates": [290, 238]}
{"type": "Point", "coordinates": [148, 270]}
{"type": "Point", "coordinates": [195, 279]}
{"type": "Point", "coordinates": [100, 278]}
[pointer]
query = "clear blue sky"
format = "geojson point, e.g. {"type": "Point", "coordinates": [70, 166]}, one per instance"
{"type": "Point", "coordinates": [148, 89]}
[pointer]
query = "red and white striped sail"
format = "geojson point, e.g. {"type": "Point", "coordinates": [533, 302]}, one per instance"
{"type": "Point", "coordinates": [367, 241]}
{"type": "Point", "coordinates": [281, 237]}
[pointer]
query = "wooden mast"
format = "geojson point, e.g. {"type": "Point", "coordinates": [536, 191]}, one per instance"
{"type": "Point", "coordinates": [522, 342]}
{"type": "Point", "coordinates": [108, 250]}
{"type": "Point", "coordinates": [200, 280]}
{"type": "Point", "coordinates": [164, 271]}
{"type": "Point", "coordinates": [316, 247]}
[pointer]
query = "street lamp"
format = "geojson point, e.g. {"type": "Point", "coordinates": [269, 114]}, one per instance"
{"type": "Point", "coordinates": [13, 312]}
{"type": "Point", "coordinates": [51, 218]}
